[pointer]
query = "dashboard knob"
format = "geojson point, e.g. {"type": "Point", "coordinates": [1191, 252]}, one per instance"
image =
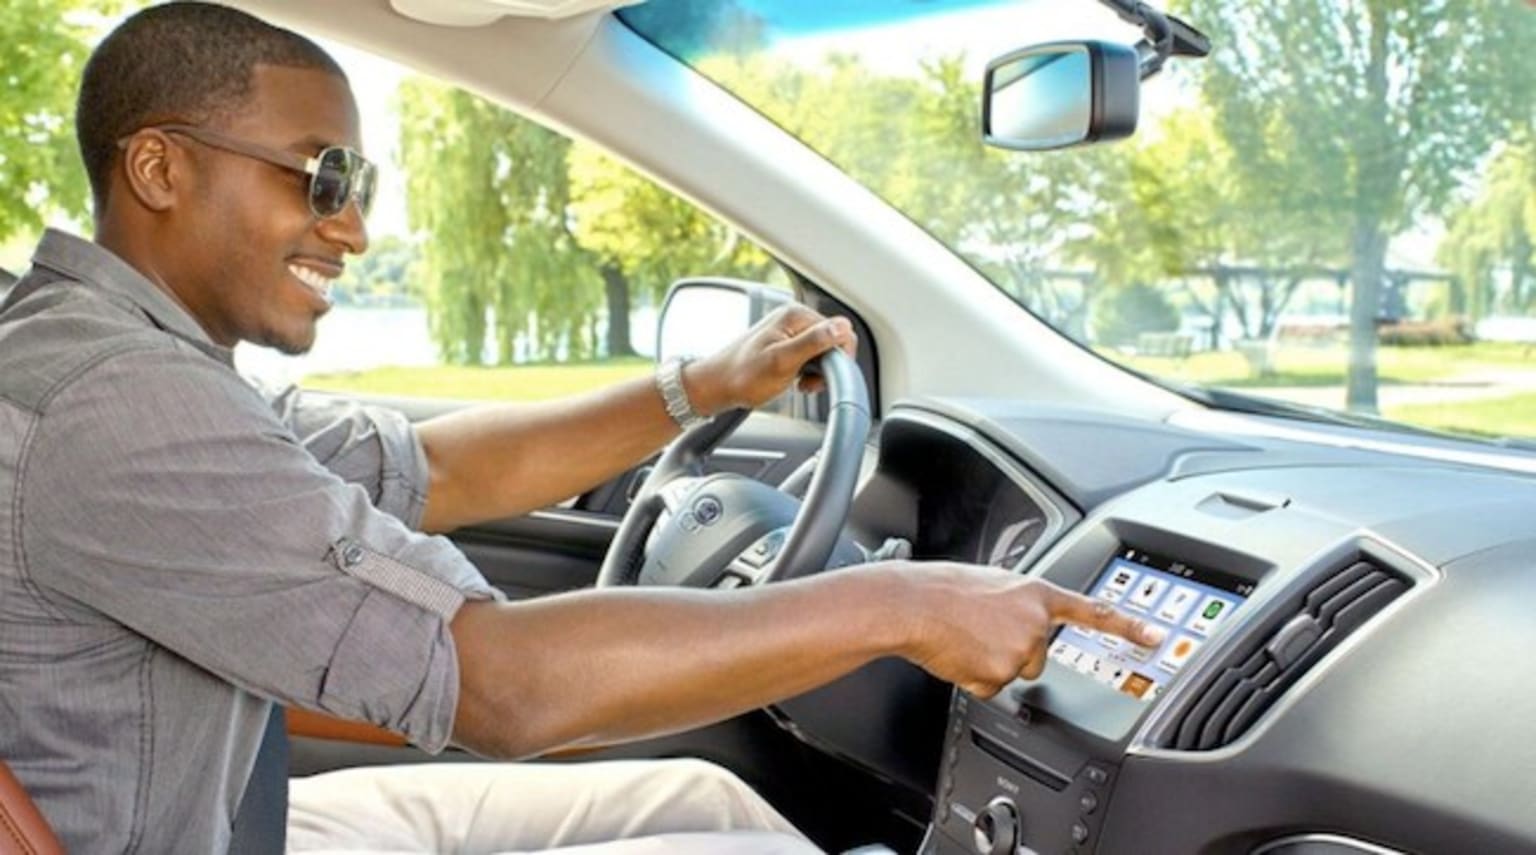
{"type": "Point", "coordinates": [996, 830]}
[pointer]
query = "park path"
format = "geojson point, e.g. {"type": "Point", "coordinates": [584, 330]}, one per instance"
{"type": "Point", "coordinates": [1460, 388]}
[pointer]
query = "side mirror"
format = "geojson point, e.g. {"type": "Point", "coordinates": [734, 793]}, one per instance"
{"type": "Point", "coordinates": [1061, 94]}
{"type": "Point", "coordinates": [702, 315]}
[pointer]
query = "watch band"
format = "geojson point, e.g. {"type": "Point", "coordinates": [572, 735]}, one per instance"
{"type": "Point", "coordinates": [669, 382]}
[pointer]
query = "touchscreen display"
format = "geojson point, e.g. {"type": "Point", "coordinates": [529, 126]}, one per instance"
{"type": "Point", "coordinates": [1190, 603]}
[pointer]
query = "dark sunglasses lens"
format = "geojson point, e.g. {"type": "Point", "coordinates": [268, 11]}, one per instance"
{"type": "Point", "coordinates": [332, 185]}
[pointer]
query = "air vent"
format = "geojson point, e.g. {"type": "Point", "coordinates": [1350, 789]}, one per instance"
{"type": "Point", "coordinates": [1256, 674]}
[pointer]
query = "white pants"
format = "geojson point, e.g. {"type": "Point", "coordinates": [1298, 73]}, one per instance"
{"type": "Point", "coordinates": [623, 807]}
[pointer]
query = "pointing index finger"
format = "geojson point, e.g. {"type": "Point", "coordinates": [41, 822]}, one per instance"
{"type": "Point", "coordinates": [1073, 608]}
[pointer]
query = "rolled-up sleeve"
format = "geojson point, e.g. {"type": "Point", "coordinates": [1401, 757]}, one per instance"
{"type": "Point", "coordinates": [373, 447]}
{"type": "Point", "coordinates": [171, 498]}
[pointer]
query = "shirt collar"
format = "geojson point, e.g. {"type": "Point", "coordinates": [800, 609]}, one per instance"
{"type": "Point", "coordinates": [91, 263]}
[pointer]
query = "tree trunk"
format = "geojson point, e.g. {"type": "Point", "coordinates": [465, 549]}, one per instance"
{"type": "Point", "coordinates": [1366, 270]}
{"type": "Point", "coordinates": [616, 287]}
{"type": "Point", "coordinates": [1521, 275]}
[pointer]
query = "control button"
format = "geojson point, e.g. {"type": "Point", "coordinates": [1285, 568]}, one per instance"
{"type": "Point", "coordinates": [764, 550]}
{"type": "Point", "coordinates": [730, 581]}
{"type": "Point", "coordinates": [996, 829]}
{"type": "Point", "coordinates": [688, 522]}
{"type": "Point", "coordinates": [708, 510]}
{"type": "Point", "coordinates": [1097, 775]}
{"type": "Point", "coordinates": [1079, 833]}
{"type": "Point", "coordinates": [1088, 803]}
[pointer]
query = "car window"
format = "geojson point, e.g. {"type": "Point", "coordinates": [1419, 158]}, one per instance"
{"type": "Point", "coordinates": [1334, 213]}
{"type": "Point", "coordinates": [506, 260]}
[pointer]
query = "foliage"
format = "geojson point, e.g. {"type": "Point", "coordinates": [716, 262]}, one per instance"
{"type": "Point", "coordinates": [43, 47]}
{"type": "Point", "coordinates": [1497, 231]}
{"type": "Point", "coordinates": [1440, 333]}
{"type": "Point", "coordinates": [1123, 314]}
{"type": "Point", "coordinates": [488, 192]}
{"type": "Point", "coordinates": [1366, 113]}
{"type": "Point", "coordinates": [386, 273]}
{"type": "Point", "coordinates": [644, 237]}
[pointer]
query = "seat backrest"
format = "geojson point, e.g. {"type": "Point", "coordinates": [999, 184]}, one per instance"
{"type": "Point", "coordinates": [23, 830]}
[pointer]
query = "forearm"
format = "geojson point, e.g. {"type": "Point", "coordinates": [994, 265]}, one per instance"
{"type": "Point", "coordinates": [613, 665]}
{"type": "Point", "coordinates": [499, 461]}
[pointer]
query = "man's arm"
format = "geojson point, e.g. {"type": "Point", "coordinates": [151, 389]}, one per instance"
{"type": "Point", "coordinates": [500, 461]}
{"type": "Point", "coordinates": [607, 666]}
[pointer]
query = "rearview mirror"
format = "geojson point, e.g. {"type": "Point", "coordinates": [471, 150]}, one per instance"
{"type": "Point", "coordinates": [1061, 94]}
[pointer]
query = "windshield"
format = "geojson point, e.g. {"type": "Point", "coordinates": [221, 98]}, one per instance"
{"type": "Point", "coordinates": [1335, 210]}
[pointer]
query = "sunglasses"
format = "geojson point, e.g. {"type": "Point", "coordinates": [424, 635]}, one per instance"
{"type": "Point", "coordinates": [337, 175]}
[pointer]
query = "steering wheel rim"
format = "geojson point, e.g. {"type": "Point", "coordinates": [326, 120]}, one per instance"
{"type": "Point", "coordinates": [813, 535]}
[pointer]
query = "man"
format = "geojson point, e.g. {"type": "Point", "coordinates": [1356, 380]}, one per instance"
{"type": "Point", "coordinates": [177, 553]}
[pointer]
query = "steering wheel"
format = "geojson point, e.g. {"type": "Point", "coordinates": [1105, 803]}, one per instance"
{"type": "Point", "coordinates": [727, 530]}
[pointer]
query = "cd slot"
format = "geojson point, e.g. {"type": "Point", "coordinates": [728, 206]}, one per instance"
{"type": "Point", "coordinates": [1029, 768]}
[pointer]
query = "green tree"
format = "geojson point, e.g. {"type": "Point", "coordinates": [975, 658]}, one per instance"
{"type": "Point", "coordinates": [43, 46]}
{"type": "Point", "coordinates": [488, 193]}
{"type": "Point", "coordinates": [386, 271]}
{"type": "Point", "coordinates": [1367, 113]}
{"type": "Point", "coordinates": [1497, 231]}
{"type": "Point", "coordinates": [1237, 242]}
{"type": "Point", "coordinates": [644, 238]}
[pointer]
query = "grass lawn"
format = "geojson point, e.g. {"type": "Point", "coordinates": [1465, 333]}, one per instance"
{"type": "Point", "coordinates": [1514, 415]}
{"type": "Point", "coordinates": [1302, 366]}
{"type": "Point", "coordinates": [505, 383]}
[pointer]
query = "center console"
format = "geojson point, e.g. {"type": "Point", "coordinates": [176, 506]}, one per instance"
{"type": "Point", "coordinates": [1033, 768]}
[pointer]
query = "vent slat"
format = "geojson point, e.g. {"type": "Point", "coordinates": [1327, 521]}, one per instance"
{"type": "Point", "coordinates": [1213, 733]}
{"type": "Point", "coordinates": [1239, 694]}
{"type": "Point", "coordinates": [1336, 583]}
{"type": "Point", "coordinates": [1325, 610]}
{"type": "Point", "coordinates": [1194, 723]}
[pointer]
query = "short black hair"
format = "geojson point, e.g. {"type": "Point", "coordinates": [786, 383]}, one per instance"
{"type": "Point", "coordinates": [183, 62]}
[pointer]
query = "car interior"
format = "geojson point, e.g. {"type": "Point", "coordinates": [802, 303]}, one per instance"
{"type": "Point", "coordinates": [1345, 605]}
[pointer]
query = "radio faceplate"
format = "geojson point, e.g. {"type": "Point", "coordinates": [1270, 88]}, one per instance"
{"type": "Point", "coordinates": [1011, 782]}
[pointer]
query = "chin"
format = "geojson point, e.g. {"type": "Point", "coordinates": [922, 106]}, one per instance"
{"type": "Point", "coordinates": [295, 344]}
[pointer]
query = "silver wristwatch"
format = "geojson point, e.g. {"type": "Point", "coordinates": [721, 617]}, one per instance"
{"type": "Point", "coordinates": [669, 382]}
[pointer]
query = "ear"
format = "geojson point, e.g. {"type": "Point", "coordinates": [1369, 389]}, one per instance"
{"type": "Point", "coordinates": [153, 168]}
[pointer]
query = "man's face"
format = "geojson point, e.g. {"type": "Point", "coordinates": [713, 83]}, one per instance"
{"type": "Point", "coordinates": [256, 262]}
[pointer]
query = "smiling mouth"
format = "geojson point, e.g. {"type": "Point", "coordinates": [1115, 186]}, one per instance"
{"type": "Point", "coordinates": [314, 280]}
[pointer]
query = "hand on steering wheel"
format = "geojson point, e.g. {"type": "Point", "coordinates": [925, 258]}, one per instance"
{"type": "Point", "coordinates": [727, 530]}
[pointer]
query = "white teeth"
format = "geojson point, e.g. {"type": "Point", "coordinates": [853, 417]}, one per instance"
{"type": "Point", "coordinates": [317, 282]}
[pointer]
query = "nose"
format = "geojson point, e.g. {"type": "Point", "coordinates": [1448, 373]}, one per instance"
{"type": "Point", "coordinates": [346, 229]}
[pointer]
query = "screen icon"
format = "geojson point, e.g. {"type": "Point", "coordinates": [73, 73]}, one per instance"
{"type": "Point", "coordinates": [1178, 653]}
{"type": "Point", "coordinates": [1177, 604]}
{"type": "Point", "coordinates": [1119, 581]}
{"type": "Point", "coordinates": [1210, 612]}
{"type": "Point", "coordinates": [1136, 685]}
{"type": "Point", "coordinates": [1147, 591]}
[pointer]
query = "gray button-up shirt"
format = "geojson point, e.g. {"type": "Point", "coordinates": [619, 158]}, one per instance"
{"type": "Point", "coordinates": [178, 550]}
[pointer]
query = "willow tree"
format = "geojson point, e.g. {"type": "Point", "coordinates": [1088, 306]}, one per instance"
{"type": "Point", "coordinates": [1369, 113]}
{"type": "Point", "coordinates": [1496, 231]}
{"type": "Point", "coordinates": [487, 194]}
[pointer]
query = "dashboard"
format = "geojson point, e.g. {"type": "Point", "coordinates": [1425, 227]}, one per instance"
{"type": "Point", "coordinates": [1343, 667]}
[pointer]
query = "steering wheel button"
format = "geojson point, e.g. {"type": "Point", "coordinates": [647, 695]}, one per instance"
{"type": "Point", "coordinates": [688, 522]}
{"type": "Point", "coordinates": [708, 510]}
